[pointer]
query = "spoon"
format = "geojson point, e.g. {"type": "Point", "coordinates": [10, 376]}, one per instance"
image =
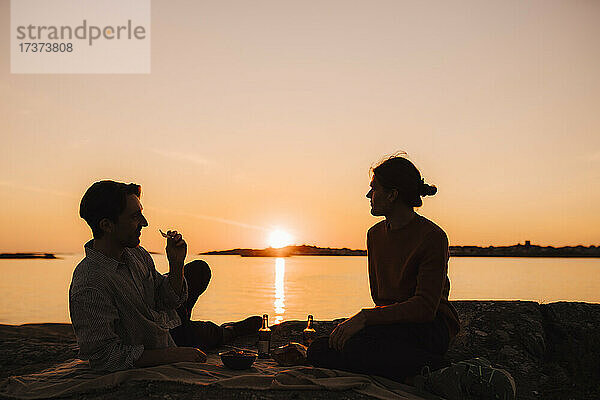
{"type": "Point", "coordinates": [164, 234]}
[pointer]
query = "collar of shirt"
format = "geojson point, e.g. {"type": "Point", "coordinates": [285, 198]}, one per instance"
{"type": "Point", "coordinates": [101, 259]}
{"type": "Point", "coordinates": [389, 227]}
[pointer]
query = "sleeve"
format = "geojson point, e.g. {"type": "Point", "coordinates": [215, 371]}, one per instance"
{"type": "Point", "coordinates": [372, 270]}
{"type": "Point", "coordinates": [93, 316]}
{"type": "Point", "coordinates": [431, 275]}
{"type": "Point", "coordinates": [166, 297]}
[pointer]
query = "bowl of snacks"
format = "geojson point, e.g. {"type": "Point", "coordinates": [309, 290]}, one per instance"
{"type": "Point", "coordinates": [238, 359]}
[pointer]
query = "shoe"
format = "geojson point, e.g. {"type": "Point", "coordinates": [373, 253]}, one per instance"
{"type": "Point", "coordinates": [249, 326]}
{"type": "Point", "coordinates": [470, 379]}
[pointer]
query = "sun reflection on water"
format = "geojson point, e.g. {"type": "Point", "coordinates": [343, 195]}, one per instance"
{"type": "Point", "coordinates": [279, 303]}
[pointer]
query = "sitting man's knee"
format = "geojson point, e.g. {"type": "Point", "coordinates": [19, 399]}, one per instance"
{"type": "Point", "coordinates": [197, 270]}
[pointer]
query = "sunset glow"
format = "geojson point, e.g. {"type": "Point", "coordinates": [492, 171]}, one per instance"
{"type": "Point", "coordinates": [279, 238]}
{"type": "Point", "coordinates": [279, 302]}
{"type": "Point", "coordinates": [381, 184]}
{"type": "Point", "coordinates": [275, 120]}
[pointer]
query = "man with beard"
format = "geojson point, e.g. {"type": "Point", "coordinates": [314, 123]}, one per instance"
{"type": "Point", "coordinates": [125, 313]}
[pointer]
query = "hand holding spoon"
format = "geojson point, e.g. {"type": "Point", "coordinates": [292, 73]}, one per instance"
{"type": "Point", "coordinates": [163, 234]}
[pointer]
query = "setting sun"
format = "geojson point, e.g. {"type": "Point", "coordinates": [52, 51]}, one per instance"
{"type": "Point", "coordinates": [279, 238]}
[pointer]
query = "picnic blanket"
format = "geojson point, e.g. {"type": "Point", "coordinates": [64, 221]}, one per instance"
{"type": "Point", "coordinates": [75, 376]}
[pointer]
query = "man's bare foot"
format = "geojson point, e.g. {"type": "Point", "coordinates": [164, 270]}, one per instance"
{"type": "Point", "coordinates": [249, 326]}
{"type": "Point", "coordinates": [228, 334]}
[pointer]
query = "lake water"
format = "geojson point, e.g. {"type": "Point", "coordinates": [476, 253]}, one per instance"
{"type": "Point", "coordinates": [291, 288]}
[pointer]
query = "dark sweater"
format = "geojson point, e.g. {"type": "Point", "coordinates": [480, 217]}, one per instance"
{"type": "Point", "coordinates": [408, 274]}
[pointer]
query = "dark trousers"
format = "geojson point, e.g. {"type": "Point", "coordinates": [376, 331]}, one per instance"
{"type": "Point", "coordinates": [205, 335]}
{"type": "Point", "coordinates": [394, 351]}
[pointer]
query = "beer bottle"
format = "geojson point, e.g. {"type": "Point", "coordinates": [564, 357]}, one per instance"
{"type": "Point", "coordinates": [264, 338]}
{"type": "Point", "coordinates": [309, 334]}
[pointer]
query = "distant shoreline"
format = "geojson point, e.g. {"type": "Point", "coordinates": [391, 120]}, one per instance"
{"type": "Point", "coordinates": [527, 250]}
{"type": "Point", "coordinates": [27, 256]}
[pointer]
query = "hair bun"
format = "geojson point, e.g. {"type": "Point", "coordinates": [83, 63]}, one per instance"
{"type": "Point", "coordinates": [427, 190]}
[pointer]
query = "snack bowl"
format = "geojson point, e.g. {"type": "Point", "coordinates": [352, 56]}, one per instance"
{"type": "Point", "coordinates": [238, 359]}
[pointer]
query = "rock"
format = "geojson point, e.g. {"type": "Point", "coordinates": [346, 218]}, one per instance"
{"type": "Point", "coordinates": [505, 343]}
{"type": "Point", "coordinates": [573, 331]}
{"type": "Point", "coordinates": [508, 353]}
{"type": "Point", "coordinates": [552, 350]}
{"type": "Point", "coordinates": [502, 335]}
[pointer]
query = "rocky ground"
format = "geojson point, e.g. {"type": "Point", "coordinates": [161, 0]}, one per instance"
{"type": "Point", "coordinates": [552, 351]}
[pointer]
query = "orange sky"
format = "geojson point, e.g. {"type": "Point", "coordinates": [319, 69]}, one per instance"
{"type": "Point", "coordinates": [269, 114]}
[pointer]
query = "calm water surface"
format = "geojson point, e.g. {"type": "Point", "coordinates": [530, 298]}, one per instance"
{"type": "Point", "coordinates": [291, 288]}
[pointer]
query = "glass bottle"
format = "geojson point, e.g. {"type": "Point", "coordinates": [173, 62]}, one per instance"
{"type": "Point", "coordinates": [264, 338]}
{"type": "Point", "coordinates": [309, 334]}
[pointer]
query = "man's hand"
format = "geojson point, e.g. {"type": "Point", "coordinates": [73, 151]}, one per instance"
{"type": "Point", "coordinates": [176, 249]}
{"type": "Point", "coordinates": [346, 330]}
{"type": "Point", "coordinates": [191, 354]}
{"type": "Point", "coordinates": [170, 355]}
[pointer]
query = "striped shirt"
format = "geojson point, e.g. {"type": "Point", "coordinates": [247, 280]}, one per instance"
{"type": "Point", "coordinates": [120, 308]}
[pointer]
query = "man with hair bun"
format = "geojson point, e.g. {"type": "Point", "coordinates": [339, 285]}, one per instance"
{"type": "Point", "coordinates": [412, 324]}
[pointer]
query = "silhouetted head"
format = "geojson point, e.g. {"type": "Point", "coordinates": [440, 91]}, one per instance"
{"type": "Point", "coordinates": [114, 208]}
{"type": "Point", "coordinates": [396, 179]}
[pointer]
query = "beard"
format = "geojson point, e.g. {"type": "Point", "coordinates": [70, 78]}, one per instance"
{"type": "Point", "coordinates": [132, 241]}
